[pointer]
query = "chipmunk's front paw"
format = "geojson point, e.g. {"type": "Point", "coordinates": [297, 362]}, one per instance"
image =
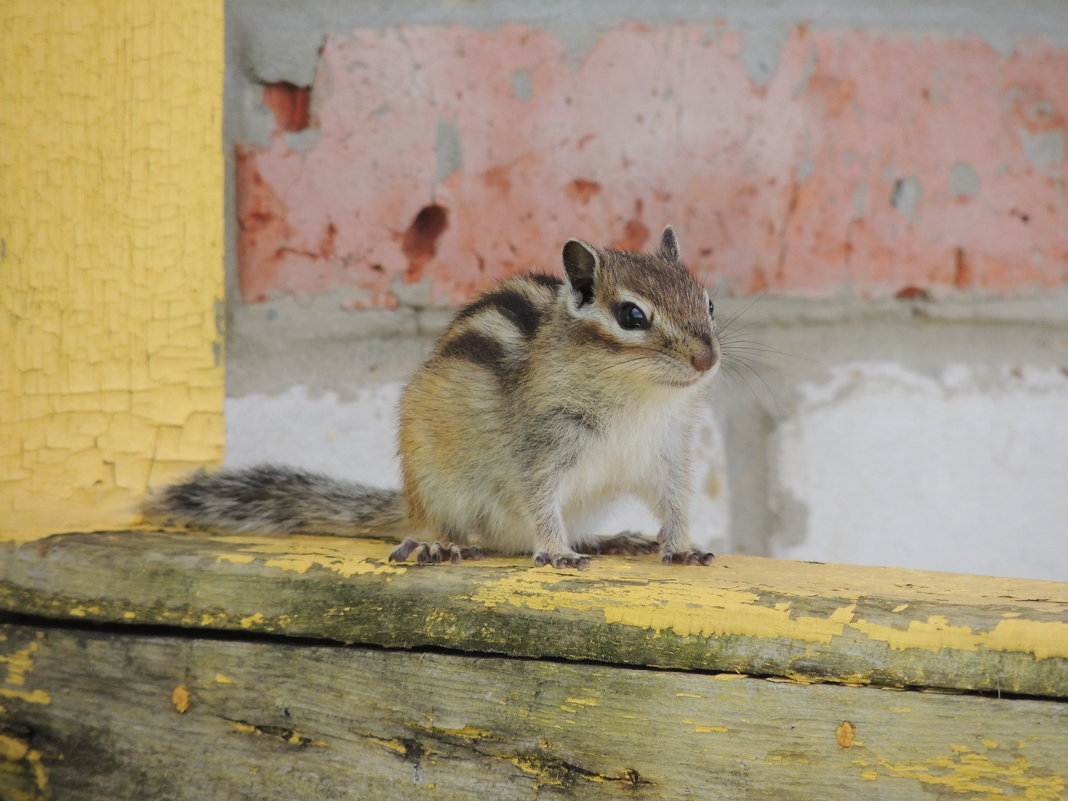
{"type": "Point", "coordinates": [561, 560]}
{"type": "Point", "coordinates": [687, 556]}
{"type": "Point", "coordinates": [426, 553]}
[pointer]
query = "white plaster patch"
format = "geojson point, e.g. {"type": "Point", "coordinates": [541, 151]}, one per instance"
{"type": "Point", "coordinates": [965, 473]}
{"type": "Point", "coordinates": [351, 439]}
{"type": "Point", "coordinates": [356, 440]}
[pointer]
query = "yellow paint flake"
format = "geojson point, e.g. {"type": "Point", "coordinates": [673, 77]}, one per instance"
{"type": "Point", "coordinates": [664, 605]}
{"type": "Point", "coordinates": [236, 558]}
{"type": "Point", "coordinates": [464, 732]}
{"type": "Point", "coordinates": [845, 734]}
{"type": "Point", "coordinates": [299, 554]}
{"type": "Point", "coordinates": [252, 620]}
{"type": "Point", "coordinates": [392, 744]}
{"type": "Point", "coordinates": [14, 750]}
{"type": "Point", "coordinates": [977, 776]}
{"type": "Point", "coordinates": [583, 701]}
{"type": "Point", "coordinates": [710, 729]}
{"type": "Point", "coordinates": [688, 695]}
{"type": "Point", "coordinates": [1043, 639]}
{"type": "Point", "coordinates": [180, 699]}
{"type": "Point", "coordinates": [900, 608]}
{"type": "Point", "coordinates": [221, 679]}
{"type": "Point", "coordinates": [18, 665]}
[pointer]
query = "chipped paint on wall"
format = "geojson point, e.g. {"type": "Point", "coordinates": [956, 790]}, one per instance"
{"type": "Point", "coordinates": [832, 173]}
{"type": "Point", "coordinates": [111, 218]}
{"type": "Point", "coordinates": [880, 464]}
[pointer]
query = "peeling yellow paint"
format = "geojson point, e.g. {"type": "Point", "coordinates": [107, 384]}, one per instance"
{"type": "Point", "coordinates": [393, 744]}
{"type": "Point", "coordinates": [346, 557]}
{"type": "Point", "coordinates": [664, 605]}
{"type": "Point", "coordinates": [13, 749]}
{"type": "Point", "coordinates": [536, 768]}
{"type": "Point", "coordinates": [112, 258]}
{"type": "Point", "coordinates": [978, 776]}
{"type": "Point", "coordinates": [180, 699]}
{"type": "Point", "coordinates": [688, 695]}
{"type": "Point", "coordinates": [660, 600]}
{"type": "Point", "coordinates": [465, 732]}
{"type": "Point", "coordinates": [1042, 638]}
{"type": "Point", "coordinates": [221, 679]}
{"type": "Point", "coordinates": [708, 729]}
{"type": "Point", "coordinates": [19, 664]}
{"type": "Point", "coordinates": [582, 701]}
{"type": "Point", "coordinates": [252, 620]}
{"type": "Point", "coordinates": [237, 558]}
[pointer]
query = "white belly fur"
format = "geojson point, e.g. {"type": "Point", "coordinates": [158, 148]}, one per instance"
{"type": "Point", "coordinates": [627, 458]}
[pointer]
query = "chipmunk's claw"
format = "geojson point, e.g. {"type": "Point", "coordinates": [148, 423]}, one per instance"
{"type": "Point", "coordinates": [561, 560]}
{"type": "Point", "coordinates": [434, 553]}
{"type": "Point", "coordinates": [688, 556]}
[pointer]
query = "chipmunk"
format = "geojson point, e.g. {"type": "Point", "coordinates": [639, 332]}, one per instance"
{"type": "Point", "coordinates": [541, 400]}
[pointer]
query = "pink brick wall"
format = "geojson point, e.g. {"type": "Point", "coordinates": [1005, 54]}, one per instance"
{"type": "Point", "coordinates": [871, 163]}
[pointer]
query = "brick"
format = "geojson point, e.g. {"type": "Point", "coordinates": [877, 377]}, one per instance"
{"type": "Point", "coordinates": [871, 163]}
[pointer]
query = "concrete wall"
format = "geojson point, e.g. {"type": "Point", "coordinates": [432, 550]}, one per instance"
{"type": "Point", "coordinates": [879, 192]}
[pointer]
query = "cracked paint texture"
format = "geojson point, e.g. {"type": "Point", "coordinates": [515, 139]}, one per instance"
{"type": "Point", "coordinates": [871, 162]}
{"type": "Point", "coordinates": [110, 256]}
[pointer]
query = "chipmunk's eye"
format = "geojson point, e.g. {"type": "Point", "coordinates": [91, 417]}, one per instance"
{"type": "Point", "coordinates": [711, 308]}
{"type": "Point", "coordinates": [631, 317]}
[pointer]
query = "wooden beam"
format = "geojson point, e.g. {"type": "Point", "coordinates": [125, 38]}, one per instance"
{"type": "Point", "coordinates": [807, 622]}
{"type": "Point", "coordinates": [92, 715]}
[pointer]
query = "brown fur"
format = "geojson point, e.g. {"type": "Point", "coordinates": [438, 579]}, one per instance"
{"type": "Point", "coordinates": [536, 402]}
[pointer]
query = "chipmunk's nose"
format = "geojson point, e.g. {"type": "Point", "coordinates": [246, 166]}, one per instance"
{"type": "Point", "coordinates": [704, 361]}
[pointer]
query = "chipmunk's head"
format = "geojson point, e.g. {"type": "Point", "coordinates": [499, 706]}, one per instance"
{"type": "Point", "coordinates": [642, 312]}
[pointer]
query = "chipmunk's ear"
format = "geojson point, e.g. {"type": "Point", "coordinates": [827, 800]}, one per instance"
{"type": "Point", "coordinates": [581, 264]}
{"type": "Point", "coordinates": [669, 245]}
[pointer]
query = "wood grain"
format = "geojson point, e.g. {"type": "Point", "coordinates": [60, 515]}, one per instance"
{"type": "Point", "coordinates": [808, 622]}
{"type": "Point", "coordinates": [274, 720]}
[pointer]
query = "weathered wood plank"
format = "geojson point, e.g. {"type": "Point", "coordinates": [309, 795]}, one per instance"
{"type": "Point", "coordinates": [90, 715]}
{"type": "Point", "coordinates": [809, 622]}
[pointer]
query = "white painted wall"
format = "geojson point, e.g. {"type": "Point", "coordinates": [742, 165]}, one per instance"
{"type": "Point", "coordinates": [881, 465]}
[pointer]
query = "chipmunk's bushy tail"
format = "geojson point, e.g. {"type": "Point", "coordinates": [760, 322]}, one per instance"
{"type": "Point", "coordinates": [271, 499]}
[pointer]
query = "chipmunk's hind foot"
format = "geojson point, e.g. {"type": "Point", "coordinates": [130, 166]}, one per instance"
{"type": "Point", "coordinates": [426, 553]}
{"type": "Point", "coordinates": [687, 556]}
{"type": "Point", "coordinates": [626, 543]}
{"type": "Point", "coordinates": [561, 560]}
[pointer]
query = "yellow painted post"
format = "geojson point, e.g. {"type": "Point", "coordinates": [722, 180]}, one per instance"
{"type": "Point", "coordinates": [111, 231]}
